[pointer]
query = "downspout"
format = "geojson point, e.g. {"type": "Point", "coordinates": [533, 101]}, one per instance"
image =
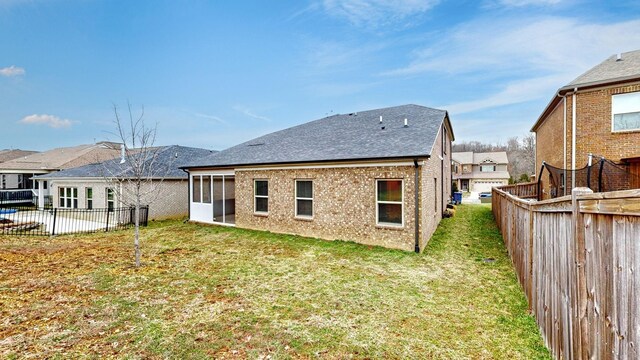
{"type": "Point", "coordinates": [564, 154]}
{"type": "Point", "coordinates": [573, 136]}
{"type": "Point", "coordinates": [443, 144]}
{"type": "Point", "coordinates": [417, 207]}
{"type": "Point", "coordinates": [188, 194]}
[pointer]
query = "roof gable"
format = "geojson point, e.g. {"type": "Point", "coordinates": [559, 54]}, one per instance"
{"type": "Point", "coordinates": [470, 157]}
{"type": "Point", "coordinates": [612, 69]}
{"type": "Point", "coordinates": [354, 136]}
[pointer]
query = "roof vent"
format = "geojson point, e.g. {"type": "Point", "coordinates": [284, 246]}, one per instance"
{"type": "Point", "coordinates": [123, 158]}
{"type": "Point", "coordinates": [406, 124]}
{"type": "Point", "coordinates": [380, 119]}
{"type": "Point", "coordinates": [619, 57]}
{"type": "Point", "coordinates": [382, 128]}
{"type": "Point", "coordinates": [256, 144]}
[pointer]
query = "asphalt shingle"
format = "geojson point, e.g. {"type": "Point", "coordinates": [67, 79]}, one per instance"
{"type": "Point", "coordinates": [168, 162]}
{"type": "Point", "coordinates": [611, 69]}
{"type": "Point", "coordinates": [352, 136]}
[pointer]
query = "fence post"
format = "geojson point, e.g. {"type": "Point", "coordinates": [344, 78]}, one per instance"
{"type": "Point", "coordinates": [53, 227]}
{"type": "Point", "coordinates": [530, 285]}
{"type": "Point", "coordinates": [106, 229]}
{"type": "Point", "coordinates": [581, 349]}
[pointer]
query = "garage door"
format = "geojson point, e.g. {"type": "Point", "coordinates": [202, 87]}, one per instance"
{"type": "Point", "coordinates": [484, 186]}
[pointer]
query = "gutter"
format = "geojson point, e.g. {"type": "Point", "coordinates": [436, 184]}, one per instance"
{"type": "Point", "coordinates": [232, 165]}
{"type": "Point", "coordinates": [573, 136]}
{"type": "Point", "coordinates": [417, 208]}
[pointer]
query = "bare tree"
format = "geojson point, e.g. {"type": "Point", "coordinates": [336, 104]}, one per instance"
{"type": "Point", "coordinates": [136, 176]}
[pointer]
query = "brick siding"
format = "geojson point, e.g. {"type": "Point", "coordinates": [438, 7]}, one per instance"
{"type": "Point", "coordinates": [593, 132]}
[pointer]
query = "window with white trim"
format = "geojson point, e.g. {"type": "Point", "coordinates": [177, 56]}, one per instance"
{"type": "Point", "coordinates": [625, 112]}
{"type": "Point", "coordinates": [111, 199]}
{"type": "Point", "coordinates": [89, 197]}
{"type": "Point", "coordinates": [487, 168]}
{"type": "Point", "coordinates": [261, 196]}
{"type": "Point", "coordinates": [389, 202]}
{"type": "Point", "coordinates": [196, 188]}
{"type": "Point", "coordinates": [304, 198]}
{"type": "Point", "coordinates": [68, 197]}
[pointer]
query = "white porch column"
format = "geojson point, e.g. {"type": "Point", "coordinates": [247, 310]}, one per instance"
{"type": "Point", "coordinates": [40, 193]}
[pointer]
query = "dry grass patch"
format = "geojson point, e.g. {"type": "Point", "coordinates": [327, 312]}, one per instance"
{"type": "Point", "coordinates": [207, 291]}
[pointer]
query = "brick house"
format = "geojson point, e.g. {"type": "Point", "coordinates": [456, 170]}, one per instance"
{"type": "Point", "coordinates": [87, 187]}
{"type": "Point", "coordinates": [479, 172]}
{"type": "Point", "coordinates": [598, 113]}
{"type": "Point", "coordinates": [378, 177]}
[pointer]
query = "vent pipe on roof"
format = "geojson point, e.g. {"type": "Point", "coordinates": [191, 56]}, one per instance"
{"type": "Point", "coordinates": [619, 57]}
{"type": "Point", "coordinates": [122, 154]}
{"type": "Point", "coordinates": [406, 124]}
{"type": "Point", "coordinates": [380, 119]}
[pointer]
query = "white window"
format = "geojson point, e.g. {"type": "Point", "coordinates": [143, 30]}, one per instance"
{"type": "Point", "coordinates": [89, 197]}
{"type": "Point", "coordinates": [625, 109]}
{"type": "Point", "coordinates": [68, 197]}
{"type": "Point", "coordinates": [111, 199]}
{"type": "Point", "coordinates": [487, 168]}
{"type": "Point", "coordinates": [304, 198]}
{"type": "Point", "coordinates": [196, 188]}
{"type": "Point", "coordinates": [261, 196]}
{"type": "Point", "coordinates": [389, 202]}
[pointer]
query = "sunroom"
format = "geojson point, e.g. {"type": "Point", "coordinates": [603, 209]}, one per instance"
{"type": "Point", "coordinates": [212, 197]}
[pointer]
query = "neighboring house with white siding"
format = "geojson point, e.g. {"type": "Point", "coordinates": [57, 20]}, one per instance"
{"type": "Point", "coordinates": [165, 185]}
{"type": "Point", "coordinates": [479, 172]}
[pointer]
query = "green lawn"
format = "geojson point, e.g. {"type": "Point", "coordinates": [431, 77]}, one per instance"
{"type": "Point", "coordinates": [207, 291]}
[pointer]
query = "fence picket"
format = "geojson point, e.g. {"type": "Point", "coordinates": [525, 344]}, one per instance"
{"type": "Point", "coordinates": [47, 222]}
{"type": "Point", "coordinates": [577, 259]}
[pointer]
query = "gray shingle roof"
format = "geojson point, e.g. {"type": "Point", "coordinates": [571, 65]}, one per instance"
{"type": "Point", "coordinates": [607, 72]}
{"type": "Point", "coordinates": [168, 161]}
{"type": "Point", "coordinates": [611, 69]}
{"type": "Point", "coordinates": [340, 137]}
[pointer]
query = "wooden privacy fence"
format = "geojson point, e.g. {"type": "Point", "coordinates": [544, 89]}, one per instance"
{"type": "Point", "coordinates": [528, 190]}
{"type": "Point", "coordinates": [578, 260]}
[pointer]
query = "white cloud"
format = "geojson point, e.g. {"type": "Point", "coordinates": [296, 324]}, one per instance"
{"type": "Point", "coordinates": [211, 117]}
{"type": "Point", "coordinates": [248, 112]}
{"type": "Point", "coordinates": [12, 71]}
{"type": "Point", "coordinates": [544, 44]}
{"type": "Point", "coordinates": [543, 53]}
{"type": "Point", "coordinates": [519, 3]}
{"type": "Point", "coordinates": [373, 13]}
{"type": "Point", "coordinates": [49, 120]}
{"type": "Point", "coordinates": [512, 93]}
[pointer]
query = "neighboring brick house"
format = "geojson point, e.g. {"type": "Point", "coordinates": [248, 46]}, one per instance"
{"type": "Point", "coordinates": [598, 113]}
{"type": "Point", "coordinates": [165, 187]}
{"type": "Point", "coordinates": [378, 177]}
{"type": "Point", "coordinates": [479, 172]}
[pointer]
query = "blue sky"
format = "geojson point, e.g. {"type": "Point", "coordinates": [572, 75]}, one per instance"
{"type": "Point", "coordinates": [215, 73]}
